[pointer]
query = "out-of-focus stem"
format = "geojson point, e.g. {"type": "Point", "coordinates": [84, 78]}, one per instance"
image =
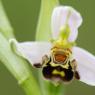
{"type": "Point", "coordinates": [44, 21]}
{"type": "Point", "coordinates": [5, 26]}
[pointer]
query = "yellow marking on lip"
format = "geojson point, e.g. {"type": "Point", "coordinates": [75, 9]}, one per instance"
{"type": "Point", "coordinates": [63, 66]}
{"type": "Point", "coordinates": [61, 73]}
{"type": "Point", "coordinates": [54, 64]}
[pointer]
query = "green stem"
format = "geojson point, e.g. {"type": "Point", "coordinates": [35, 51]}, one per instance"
{"type": "Point", "coordinates": [44, 22]}
{"type": "Point", "coordinates": [5, 26]}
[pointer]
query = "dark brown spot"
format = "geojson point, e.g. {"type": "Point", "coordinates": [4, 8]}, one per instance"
{"type": "Point", "coordinates": [37, 65]}
{"type": "Point", "coordinates": [77, 76]}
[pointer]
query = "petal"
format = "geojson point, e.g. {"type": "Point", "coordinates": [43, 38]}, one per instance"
{"type": "Point", "coordinates": [86, 65]}
{"type": "Point", "coordinates": [58, 20]}
{"type": "Point", "coordinates": [63, 15]}
{"type": "Point", "coordinates": [33, 51]}
{"type": "Point", "coordinates": [73, 35]}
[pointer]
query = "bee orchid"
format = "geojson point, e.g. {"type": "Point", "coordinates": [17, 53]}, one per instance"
{"type": "Point", "coordinates": [60, 59]}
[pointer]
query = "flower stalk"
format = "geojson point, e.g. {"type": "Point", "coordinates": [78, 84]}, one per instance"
{"type": "Point", "coordinates": [44, 21]}
{"type": "Point", "coordinates": [5, 26]}
{"type": "Point", "coordinates": [44, 34]}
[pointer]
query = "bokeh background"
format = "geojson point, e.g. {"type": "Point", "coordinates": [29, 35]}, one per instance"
{"type": "Point", "coordinates": [23, 15]}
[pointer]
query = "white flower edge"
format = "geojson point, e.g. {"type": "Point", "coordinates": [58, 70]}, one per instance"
{"type": "Point", "coordinates": [85, 65]}
{"type": "Point", "coordinates": [31, 51]}
{"type": "Point", "coordinates": [63, 15]}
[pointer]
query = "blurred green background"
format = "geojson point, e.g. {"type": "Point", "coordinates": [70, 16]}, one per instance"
{"type": "Point", "coordinates": [23, 15]}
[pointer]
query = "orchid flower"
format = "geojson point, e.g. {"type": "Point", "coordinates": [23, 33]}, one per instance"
{"type": "Point", "coordinates": [65, 22]}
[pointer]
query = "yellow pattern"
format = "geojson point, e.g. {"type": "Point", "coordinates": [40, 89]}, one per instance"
{"type": "Point", "coordinates": [63, 66]}
{"type": "Point", "coordinates": [58, 72]}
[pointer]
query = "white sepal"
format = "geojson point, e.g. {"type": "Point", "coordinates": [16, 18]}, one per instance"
{"type": "Point", "coordinates": [86, 65]}
{"type": "Point", "coordinates": [31, 51]}
{"type": "Point", "coordinates": [63, 15]}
